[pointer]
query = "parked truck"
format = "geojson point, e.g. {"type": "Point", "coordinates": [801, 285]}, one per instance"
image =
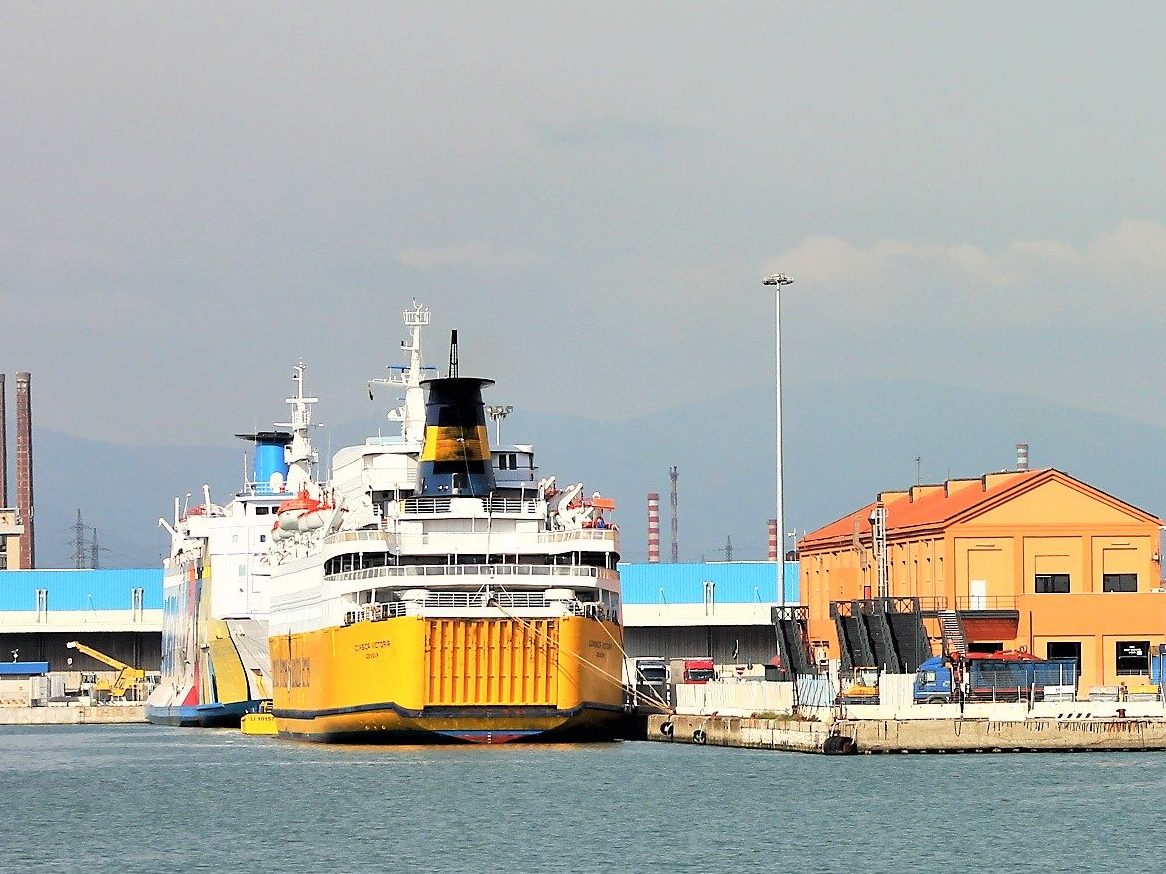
{"type": "Point", "coordinates": [645, 680]}
{"type": "Point", "coordinates": [691, 670]}
{"type": "Point", "coordinates": [1014, 675]}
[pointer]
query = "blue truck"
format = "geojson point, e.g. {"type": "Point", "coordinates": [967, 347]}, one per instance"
{"type": "Point", "coordinates": [999, 676]}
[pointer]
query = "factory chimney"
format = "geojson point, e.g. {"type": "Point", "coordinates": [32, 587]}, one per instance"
{"type": "Point", "coordinates": [24, 469]}
{"type": "Point", "coordinates": [654, 528]}
{"type": "Point", "coordinates": [1022, 456]}
{"type": "Point", "coordinates": [674, 475]}
{"type": "Point", "coordinates": [773, 540]}
{"type": "Point", "coordinates": [3, 444]}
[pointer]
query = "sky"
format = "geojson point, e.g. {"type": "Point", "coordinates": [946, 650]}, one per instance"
{"type": "Point", "coordinates": [968, 195]}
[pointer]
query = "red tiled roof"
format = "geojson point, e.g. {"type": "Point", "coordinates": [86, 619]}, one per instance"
{"type": "Point", "coordinates": [933, 508]}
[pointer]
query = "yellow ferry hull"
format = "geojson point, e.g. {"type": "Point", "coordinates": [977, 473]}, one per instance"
{"type": "Point", "coordinates": [417, 679]}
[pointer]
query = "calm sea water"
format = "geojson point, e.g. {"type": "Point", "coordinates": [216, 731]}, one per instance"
{"type": "Point", "coordinates": [144, 798]}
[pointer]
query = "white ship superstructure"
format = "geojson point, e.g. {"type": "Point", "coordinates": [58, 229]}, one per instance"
{"type": "Point", "coordinates": [441, 589]}
{"type": "Point", "coordinates": [216, 583]}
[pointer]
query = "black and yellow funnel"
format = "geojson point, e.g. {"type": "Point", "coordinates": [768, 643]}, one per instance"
{"type": "Point", "coordinates": [455, 460]}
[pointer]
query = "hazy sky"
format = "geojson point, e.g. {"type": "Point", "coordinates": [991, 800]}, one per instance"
{"type": "Point", "coordinates": [194, 196]}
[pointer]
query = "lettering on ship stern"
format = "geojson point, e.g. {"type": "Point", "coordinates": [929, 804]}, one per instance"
{"type": "Point", "coordinates": [371, 648]}
{"type": "Point", "coordinates": [602, 648]}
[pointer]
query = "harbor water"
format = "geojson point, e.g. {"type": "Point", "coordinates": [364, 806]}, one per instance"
{"type": "Point", "coordinates": [147, 798]}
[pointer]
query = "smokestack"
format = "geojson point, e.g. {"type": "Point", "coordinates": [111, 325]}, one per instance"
{"type": "Point", "coordinates": [674, 475]}
{"type": "Point", "coordinates": [3, 444]}
{"type": "Point", "coordinates": [455, 461]}
{"type": "Point", "coordinates": [1022, 456]}
{"type": "Point", "coordinates": [773, 540]}
{"type": "Point", "coordinates": [24, 468]}
{"type": "Point", "coordinates": [654, 528]}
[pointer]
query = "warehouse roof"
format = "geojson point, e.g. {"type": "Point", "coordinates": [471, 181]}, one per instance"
{"type": "Point", "coordinates": [942, 504]}
{"type": "Point", "coordinates": [81, 589]}
{"type": "Point", "coordinates": [737, 582]}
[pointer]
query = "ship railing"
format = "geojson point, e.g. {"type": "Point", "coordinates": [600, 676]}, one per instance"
{"type": "Point", "coordinates": [468, 570]}
{"type": "Point", "coordinates": [373, 534]}
{"type": "Point", "coordinates": [578, 534]}
{"type": "Point", "coordinates": [482, 599]}
{"type": "Point", "coordinates": [379, 612]}
{"type": "Point", "coordinates": [354, 536]}
{"type": "Point", "coordinates": [262, 487]}
{"type": "Point", "coordinates": [375, 612]}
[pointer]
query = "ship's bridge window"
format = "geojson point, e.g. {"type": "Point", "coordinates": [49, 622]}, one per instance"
{"type": "Point", "coordinates": [262, 510]}
{"type": "Point", "coordinates": [507, 461]}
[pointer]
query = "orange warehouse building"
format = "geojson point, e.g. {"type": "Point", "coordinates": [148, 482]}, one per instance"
{"type": "Point", "coordinates": [1023, 559]}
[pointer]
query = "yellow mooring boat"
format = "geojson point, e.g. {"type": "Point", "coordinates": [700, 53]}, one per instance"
{"type": "Point", "coordinates": [436, 590]}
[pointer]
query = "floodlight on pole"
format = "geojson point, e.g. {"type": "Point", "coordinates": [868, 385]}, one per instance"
{"type": "Point", "coordinates": [498, 412]}
{"type": "Point", "coordinates": [777, 280]}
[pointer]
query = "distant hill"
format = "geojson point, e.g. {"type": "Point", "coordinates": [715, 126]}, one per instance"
{"type": "Point", "coordinates": [844, 443]}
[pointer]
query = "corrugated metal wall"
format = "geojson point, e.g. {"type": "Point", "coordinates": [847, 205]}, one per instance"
{"type": "Point", "coordinates": [753, 643]}
{"type": "Point", "coordinates": [738, 582]}
{"type": "Point", "coordinates": [81, 590]}
{"type": "Point", "coordinates": [491, 661]}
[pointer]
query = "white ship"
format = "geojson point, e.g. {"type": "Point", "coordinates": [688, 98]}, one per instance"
{"type": "Point", "coordinates": [437, 589]}
{"type": "Point", "coordinates": [216, 586]}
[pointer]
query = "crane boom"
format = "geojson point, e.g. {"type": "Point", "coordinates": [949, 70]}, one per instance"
{"type": "Point", "coordinates": [100, 656]}
{"type": "Point", "coordinates": [127, 678]}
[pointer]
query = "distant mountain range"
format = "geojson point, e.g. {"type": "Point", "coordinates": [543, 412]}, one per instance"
{"type": "Point", "coordinates": [844, 443]}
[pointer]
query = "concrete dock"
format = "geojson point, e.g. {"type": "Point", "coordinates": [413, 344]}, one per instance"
{"type": "Point", "coordinates": [73, 715]}
{"type": "Point", "coordinates": [914, 736]}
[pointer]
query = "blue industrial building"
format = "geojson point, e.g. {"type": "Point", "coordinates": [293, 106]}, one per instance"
{"type": "Point", "coordinates": [721, 610]}
{"type": "Point", "coordinates": [116, 611]}
{"type": "Point", "coordinates": [83, 590]}
{"type": "Point", "coordinates": [737, 582]}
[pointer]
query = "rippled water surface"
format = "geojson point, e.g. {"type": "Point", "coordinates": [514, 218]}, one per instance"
{"type": "Point", "coordinates": [144, 798]}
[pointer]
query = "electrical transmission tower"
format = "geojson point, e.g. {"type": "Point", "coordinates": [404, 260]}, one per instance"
{"type": "Point", "coordinates": [94, 550]}
{"type": "Point", "coordinates": [78, 542]}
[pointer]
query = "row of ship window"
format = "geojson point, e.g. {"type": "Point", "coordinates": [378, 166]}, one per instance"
{"type": "Point", "coordinates": [361, 560]}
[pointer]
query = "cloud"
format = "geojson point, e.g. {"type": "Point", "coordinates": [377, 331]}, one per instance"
{"type": "Point", "coordinates": [1134, 249]}
{"type": "Point", "coordinates": [473, 254]}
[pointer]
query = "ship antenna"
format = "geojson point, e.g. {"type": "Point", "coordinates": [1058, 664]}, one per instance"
{"type": "Point", "coordinates": [453, 354]}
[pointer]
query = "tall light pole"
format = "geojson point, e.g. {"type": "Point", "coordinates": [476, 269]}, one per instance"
{"type": "Point", "coordinates": [777, 280]}
{"type": "Point", "coordinates": [498, 413]}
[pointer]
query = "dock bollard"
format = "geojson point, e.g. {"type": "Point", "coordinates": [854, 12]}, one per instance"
{"type": "Point", "coordinates": [839, 745]}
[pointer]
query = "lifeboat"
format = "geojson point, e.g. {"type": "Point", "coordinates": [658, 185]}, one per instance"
{"type": "Point", "coordinates": [301, 513]}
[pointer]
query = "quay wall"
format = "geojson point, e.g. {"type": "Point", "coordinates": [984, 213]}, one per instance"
{"type": "Point", "coordinates": [734, 731]}
{"type": "Point", "coordinates": [964, 735]}
{"type": "Point", "coordinates": [913, 736]}
{"type": "Point", "coordinates": [108, 715]}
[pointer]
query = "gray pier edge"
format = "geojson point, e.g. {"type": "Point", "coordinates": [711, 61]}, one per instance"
{"type": "Point", "coordinates": [915, 735]}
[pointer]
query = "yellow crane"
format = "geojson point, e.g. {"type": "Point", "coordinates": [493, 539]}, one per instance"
{"type": "Point", "coordinates": [128, 678]}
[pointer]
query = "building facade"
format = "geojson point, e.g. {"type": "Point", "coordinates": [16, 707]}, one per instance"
{"type": "Point", "coordinates": [719, 610]}
{"type": "Point", "coordinates": [1033, 560]}
{"type": "Point", "coordinates": [10, 533]}
{"type": "Point", "coordinates": [118, 612]}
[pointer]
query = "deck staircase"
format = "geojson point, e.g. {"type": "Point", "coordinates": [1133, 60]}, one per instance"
{"type": "Point", "coordinates": [954, 641]}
